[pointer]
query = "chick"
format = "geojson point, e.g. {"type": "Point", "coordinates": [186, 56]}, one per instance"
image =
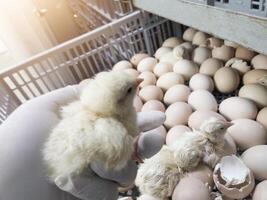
{"type": "Point", "coordinates": [205, 144]}
{"type": "Point", "coordinates": [100, 126]}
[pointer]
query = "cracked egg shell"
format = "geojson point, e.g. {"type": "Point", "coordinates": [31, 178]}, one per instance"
{"type": "Point", "coordinates": [200, 54]}
{"type": "Point", "coordinates": [138, 57]}
{"type": "Point", "coordinates": [162, 68]}
{"type": "Point", "coordinates": [181, 52]}
{"type": "Point", "coordinates": [189, 34]}
{"type": "Point", "coordinates": [202, 100]}
{"type": "Point", "coordinates": [151, 92]}
{"type": "Point", "coordinates": [148, 79]}
{"type": "Point", "coordinates": [201, 81]}
{"type": "Point", "coordinates": [161, 51]}
{"type": "Point", "coordinates": [213, 42]}
{"type": "Point", "coordinates": [175, 133]}
{"type": "Point", "coordinates": [223, 53]}
{"type": "Point", "coordinates": [210, 66]}
{"type": "Point", "coordinates": [260, 192]}
{"type": "Point", "coordinates": [168, 80]}
{"type": "Point", "coordinates": [121, 65]}
{"type": "Point", "coordinates": [172, 42]}
{"type": "Point", "coordinates": [241, 66]}
{"type": "Point", "coordinates": [200, 38]}
{"type": "Point", "coordinates": [244, 53]}
{"type": "Point", "coordinates": [153, 105]}
{"type": "Point", "coordinates": [176, 93]}
{"type": "Point", "coordinates": [233, 178]}
{"type": "Point", "coordinates": [187, 68]}
{"type": "Point", "coordinates": [254, 75]}
{"type": "Point", "coordinates": [259, 62]}
{"type": "Point", "coordinates": [147, 64]}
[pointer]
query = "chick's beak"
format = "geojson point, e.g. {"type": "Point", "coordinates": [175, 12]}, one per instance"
{"type": "Point", "coordinates": [228, 124]}
{"type": "Point", "coordinates": [138, 81]}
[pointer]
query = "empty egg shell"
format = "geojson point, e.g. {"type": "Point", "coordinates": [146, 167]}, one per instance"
{"type": "Point", "coordinates": [153, 105]}
{"type": "Point", "coordinates": [210, 66]}
{"type": "Point", "coordinates": [253, 76]}
{"type": "Point", "coordinates": [177, 114]}
{"type": "Point", "coordinates": [241, 66]}
{"type": "Point", "coordinates": [259, 62]}
{"type": "Point", "coordinates": [172, 42]}
{"type": "Point", "coordinates": [175, 132]}
{"type": "Point", "coordinates": [233, 178]}
{"type": "Point", "coordinates": [213, 42]}
{"type": "Point", "coordinates": [169, 79]}
{"type": "Point", "coordinates": [176, 93]}
{"type": "Point", "coordinates": [243, 108]}
{"type": "Point", "coordinates": [186, 68]}
{"type": "Point", "coordinates": [161, 51]}
{"type": "Point", "coordinates": [151, 92]}
{"type": "Point", "coordinates": [189, 188]}
{"type": "Point", "coordinates": [147, 64]}
{"type": "Point", "coordinates": [148, 79]}
{"type": "Point", "coordinates": [200, 38]}
{"type": "Point", "coordinates": [137, 103]}
{"type": "Point", "coordinates": [223, 53]}
{"type": "Point", "coordinates": [138, 57]}
{"type": "Point", "coordinates": [201, 54]}
{"type": "Point", "coordinates": [201, 81]}
{"type": "Point", "coordinates": [256, 159]}
{"type": "Point", "coordinates": [121, 65]}
{"type": "Point", "coordinates": [244, 53]}
{"type": "Point", "coordinates": [132, 72]}
{"type": "Point", "coordinates": [202, 100]}
{"type": "Point", "coordinates": [189, 34]}
{"type": "Point", "coordinates": [247, 133]}
{"type": "Point", "coordinates": [262, 117]}
{"type": "Point", "coordinates": [260, 192]}
{"type": "Point", "coordinates": [162, 68]}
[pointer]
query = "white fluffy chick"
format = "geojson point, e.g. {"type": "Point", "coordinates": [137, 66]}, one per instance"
{"type": "Point", "coordinates": [205, 144]}
{"type": "Point", "coordinates": [100, 126]}
{"type": "Point", "coordinates": [158, 175]}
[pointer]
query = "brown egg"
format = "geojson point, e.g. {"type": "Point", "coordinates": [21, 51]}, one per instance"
{"type": "Point", "coordinates": [186, 68]}
{"type": "Point", "coordinates": [189, 34]}
{"type": "Point", "coordinates": [256, 159]}
{"type": "Point", "coordinates": [172, 42]}
{"type": "Point", "coordinates": [262, 117]}
{"type": "Point", "coordinates": [148, 79]}
{"type": "Point", "coordinates": [213, 42]}
{"type": "Point", "coordinates": [254, 75]}
{"type": "Point", "coordinates": [244, 53]}
{"type": "Point", "coordinates": [176, 93]}
{"type": "Point", "coordinates": [175, 132]}
{"type": "Point", "coordinates": [190, 188]}
{"type": "Point", "coordinates": [256, 93]}
{"type": "Point", "coordinates": [200, 38]}
{"type": "Point", "coordinates": [147, 64]}
{"type": "Point", "coordinates": [138, 104]}
{"type": "Point", "coordinates": [210, 66]}
{"type": "Point", "coordinates": [259, 62]}
{"type": "Point", "coordinates": [201, 54]}
{"type": "Point", "coordinates": [202, 100]}
{"type": "Point", "coordinates": [153, 105]}
{"type": "Point", "coordinates": [121, 65]}
{"type": "Point", "coordinates": [198, 117]}
{"type": "Point", "coordinates": [201, 81]}
{"type": "Point", "coordinates": [223, 53]}
{"type": "Point", "coordinates": [247, 133]}
{"type": "Point", "coordinates": [260, 192]}
{"type": "Point", "coordinates": [132, 72]}
{"type": "Point", "coordinates": [241, 66]}
{"type": "Point", "coordinates": [177, 114]}
{"type": "Point", "coordinates": [161, 51]}
{"type": "Point", "coordinates": [226, 80]}
{"type": "Point", "coordinates": [151, 92]}
{"type": "Point", "coordinates": [162, 68]}
{"type": "Point", "coordinates": [168, 80]}
{"type": "Point", "coordinates": [138, 57]}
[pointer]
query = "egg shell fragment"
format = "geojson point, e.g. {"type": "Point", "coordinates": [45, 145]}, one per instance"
{"type": "Point", "coordinates": [176, 93]}
{"type": "Point", "coordinates": [202, 100]}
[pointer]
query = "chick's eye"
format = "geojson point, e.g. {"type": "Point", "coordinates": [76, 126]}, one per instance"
{"type": "Point", "coordinates": [222, 128]}
{"type": "Point", "coordinates": [129, 90]}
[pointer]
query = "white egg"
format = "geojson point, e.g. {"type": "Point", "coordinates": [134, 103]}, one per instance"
{"type": "Point", "coordinates": [138, 57]}
{"type": "Point", "coordinates": [172, 42]}
{"type": "Point", "coordinates": [161, 51]}
{"type": "Point", "coordinates": [148, 79]}
{"type": "Point", "coordinates": [153, 105]}
{"type": "Point", "coordinates": [201, 54]}
{"type": "Point", "coordinates": [175, 133]}
{"type": "Point", "coordinates": [202, 100]}
{"type": "Point", "coordinates": [162, 68]}
{"type": "Point", "coordinates": [121, 65]}
{"type": "Point", "coordinates": [210, 66]}
{"type": "Point", "coordinates": [189, 33]}
{"type": "Point", "coordinates": [201, 81]}
{"type": "Point", "coordinates": [186, 68]}
{"type": "Point", "coordinates": [151, 92]}
{"type": "Point", "coordinates": [147, 64]}
{"type": "Point", "coordinates": [200, 38]}
{"type": "Point", "coordinates": [169, 79]}
{"type": "Point", "coordinates": [176, 93]}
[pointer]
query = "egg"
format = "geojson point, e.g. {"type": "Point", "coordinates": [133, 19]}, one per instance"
{"type": "Point", "coordinates": [241, 66]}
{"type": "Point", "coordinates": [169, 58]}
{"type": "Point", "coordinates": [176, 93]}
{"type": "Point", "coordinates": [259, 62]}
{"type": "Point", "coordinates": [151, 92]}
{"type": "Point", "coordinates": [137, 103]}
{"type": "Point", "coordinates": [132, 72]}
{"type": "Point", "coordinates": [148, 79]}
{"type": "Point", "coordinates": [213, 42]}
{"type": "Point", "coordinates": [262, 117]}
{"type": "Point", "coordinates": [175, 132]}
{"type": "Point", "coordinates": [168, 80]}
{"type": "Point", "coordinates": [172, 42]}
{"type": "Point", "coordinates": [230, 44]}
{"type": "Point", "coordinates": [260, 192]}
{"type": "Point", "coordinates": [202, 100]}
{"type": "Point", "coordinates": [153, 105]}
{"type": "Point", "coordinates": [201, 81]}
{"type": "Point", "coordinates": [147, 64]}
{"type": "Point", "coordinates": [247, 133]}
{"type": "Point", "coordinates": [243, 108]}
{"type": "Point", "coordinates": [189, 33]}
{"type": "Point", "coordinates": [226, 80]}
{"type": "Point", "coordinates": [188, 46]}
{"type": "Point", "coordinates": [186, 68]}
{"type": "Point", "coordinates": [162, 68]}
{"type": "Point", "coordinates": [189, 188]}
{"type": "Point", "coordinates": [147, 197]}
{"type": "Point", "coordinates": [177, 114]}
{"type": "Point", "coordinates": [200, 38]}
{"type": "Point", "coordinates": [223, 53]}
{"type": "Point", "coordinates": [229, 147]}
{"type": "Point", "coordinates": [256, 93]}
{"type": "Point", "coordinates": [162, 131]}
{"type": "Point", "coordinates": [200, 54]}
{"type": "Point", "coordinates": [203, 173]}
{"type": "Point", "coordinates": [256, 160]}
{"type": "Point", "coordinates": [244, 53]}
{"type": "Point", "coordinates": [199, 116]}
{"type": "Point", "coordinates": [210, 66]}
{"type": "Point", "coordinates": [254, 75]}
{"type": "Point", "coordinates": [121, 65]}
{"type": "Point", "coordinates": [161, 51]}
{"type": "Point", "coordinates": [181, 52]}
{"type": "Point", "coordinates": [138, 57]}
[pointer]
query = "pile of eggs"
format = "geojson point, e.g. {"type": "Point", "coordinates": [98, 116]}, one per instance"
{"type": "Point", "coordinates": [200, 76]}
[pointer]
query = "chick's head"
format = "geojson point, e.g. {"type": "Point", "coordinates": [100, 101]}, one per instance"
{"type": "Point", "coordinates": [110, 93]}
{"type": "Point", "coordinates": [214, 129]}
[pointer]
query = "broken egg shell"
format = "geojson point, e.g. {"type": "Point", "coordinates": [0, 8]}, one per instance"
{"type": "Point", "coordinates": [254, 75]}
{"type": "Point", "coordinates": [147, 64]}
{"type": "Point", "coordinates": [161, 51]}
{"type": "Point", "coordinates": [223, 53]}
{"type": "Point", "coordinates": [151, 92]}
{"type": "Point", "coordinates": [259, 62]}
{"type": "Point", "coordinates": [213, 42]}
{"type": "Point", "coordinates": [200, 38]}
{"type": "Point", "coordinates": [189, 33]}
{"type": "Point", "coordinates": [172, 42]}
{"type": "Point", "coordinates": [162, 68]}
{"type": "Point", "coordinates": [210, 66]}
{"type": "Point", "coordinates": [181, 52]}
{"type": "Point", "coordinates": [201, 81]}
{"type": "Point", "coordinates": [232, 178]}
{"type": "Point", "coordinates": [200, 54]}
{"type": "Point", "coordinates": [186, 68]}
{"type": "Point", "coordinates": [168, 80]}
{"type": "Point", "coordinates": [138, 57]}
{"type": "Point", "coordinates": [262, 117]}
{"type": "Point", "coordinates": [244, 53]}
{"type": "Point", "coordinates": [189, 188]}
{"type": "Point", "coordinates": [132, 72]}
{"type": "Point", "coordinates": [260, 192]}
{"type": "Point", "coordinates": [241, 66]}
{"type": "Point", "coordinates": [175, 133]}
{"type": "Point", "coordinates": [153, 105]}
{"type": "Point", "coordinates": [176, 93]}
{"type": "Point", "coordinates": [121, 65]}
{"type": "Point", "coordinates": [137, 103]}
{"type": "Point", "coordinates": [148, 79]}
